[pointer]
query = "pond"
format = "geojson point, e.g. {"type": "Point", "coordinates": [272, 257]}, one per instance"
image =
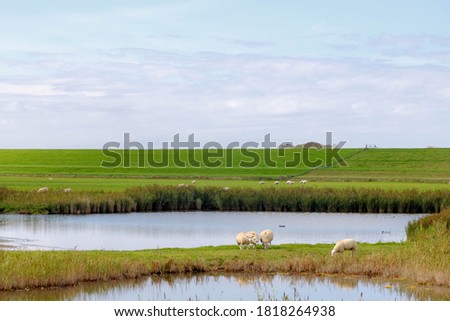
{"type": "Point", "coordinates": [136, 231]}
{"type": "Point", "coordinates": [234, 287]}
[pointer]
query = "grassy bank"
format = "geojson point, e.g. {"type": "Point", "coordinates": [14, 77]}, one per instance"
{"type": "Point", "coordinates": [171, 198]}
{"type": "Point", "coordinates": [423, 259]}
{"type": "Point", "coordinates": [430, 165]}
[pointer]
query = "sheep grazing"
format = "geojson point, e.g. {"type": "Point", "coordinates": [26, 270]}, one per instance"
{"type": "Point", "coordinates": [289, 182]}
{"type": "Point", "coordinates": [226, 188]}
{"type": "Point", "coordinates": [266, 238]}
{"type": "Point", "coordinates": [252, 233]}
{"type": "Point", "coordinates": [261, 182]}
{"type": "Point", "coordinates": [43, 190]}
{"type": "Point", "coordinates": [246, 239]}
{"type": "Point", "coordinates": [67, 190]}
{"type": "Point", "coordinates": [182, 185]}
{"type": "Point", "coordinates": [345, 245]}
{"type": "Point", "coordinates": [303, 181]}
{"type": "Point", "coordinates": [194, 181]}
{"type": "Point", "coordinates": [276, 182]}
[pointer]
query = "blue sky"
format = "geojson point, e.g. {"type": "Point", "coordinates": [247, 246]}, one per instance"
{"type": "Point", "coordinates": [80, 74]}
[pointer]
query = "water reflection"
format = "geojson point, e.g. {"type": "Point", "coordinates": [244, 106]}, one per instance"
{"type": "Point", "coordinates": [250, 287]}
{"type": "Point", "coordinates": [191, 229]}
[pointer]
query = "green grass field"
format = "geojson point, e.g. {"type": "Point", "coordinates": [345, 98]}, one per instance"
{"type": "Point", "coordinates": [422, 169]}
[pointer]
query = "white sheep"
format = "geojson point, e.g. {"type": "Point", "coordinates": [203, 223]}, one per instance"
{"type": "Point", "coordinates": [266, 238]}
{"type": "Point", "coordinates": [194, 181]}
{"type": "Point", "coordinates": [252, 233]}
{"type": "Point", "coordinates": [345, 245]}
{"type": "Point", "coordinates": [276, 182]}
{"type": "Point", "coordinates": [303, 181]}
{"type": "Point", "coordinates": [289, 182]}
{"type": "Point", "coordinates": [261, 182]}
{"type": "Point", "coordinates": [43, 190]}
{"type": "Point", "coordinates": [226, 188]}
{"type": "Point", "coordinates": [182, 185]}
{"type": "Point", "coordinates": [246, 239]}
{"type": "Point", "coordinates": [67, 190]}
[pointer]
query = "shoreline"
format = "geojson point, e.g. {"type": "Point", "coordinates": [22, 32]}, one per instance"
{"type": "Point", "coordinates": [47, 269]}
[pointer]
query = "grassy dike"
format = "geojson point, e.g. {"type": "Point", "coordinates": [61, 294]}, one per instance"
{"type": "Point", "coordinates": [424, 259]}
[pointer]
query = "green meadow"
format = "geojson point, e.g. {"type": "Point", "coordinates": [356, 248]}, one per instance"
{"type": "Point", "coordinates": [82, 170]}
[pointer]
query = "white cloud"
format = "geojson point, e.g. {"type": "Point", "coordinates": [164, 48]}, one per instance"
{"type": "Point", "coordinates": [223, 97]}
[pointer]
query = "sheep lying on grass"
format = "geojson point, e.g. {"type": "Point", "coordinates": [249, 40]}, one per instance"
{"type": "Point", "coordinates": [43, 190]}
{"type": "Point", "coordinates": [246, 239]}
{"type": "Point", "coordinates": [266, 238]}
{"type": "Point", "coordinates": [345, 245]}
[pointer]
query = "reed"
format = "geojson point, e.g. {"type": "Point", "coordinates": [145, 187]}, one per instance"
{"type": "Point", "coordinates": [31, 269]}
{"type": "Point", "coordinates": [300, 199]}
{"type": "Point", "coordinates": [212, 198]}
{"type": "Point", "coordinates": [57, 202]}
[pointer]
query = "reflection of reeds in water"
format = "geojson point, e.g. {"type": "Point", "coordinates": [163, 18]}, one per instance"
{"type": "Point", "coordinates": [87, 291]}
{"type": "Point", "coordinates": [345, 283]}
{"type": "Point", "coordinates": [266, 287]}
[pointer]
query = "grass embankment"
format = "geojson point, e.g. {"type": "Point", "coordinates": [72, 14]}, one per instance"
{"type": "Point", "coordinates": [423, 259]}
{"type": "Point", "coordinates": [81, 169]}
{"type": "Point", "coordinates": [170, 198]}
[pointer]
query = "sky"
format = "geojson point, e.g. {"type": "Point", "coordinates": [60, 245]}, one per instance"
{"type": "Point", "coordinates": [80, 74]}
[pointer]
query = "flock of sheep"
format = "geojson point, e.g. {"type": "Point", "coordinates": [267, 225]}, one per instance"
{"type": "Point", "coordinates": [288, 182]}
{"type": "Point", "coordinates": [250, 239]}
{"type": "Point", "coordinates": [45, 190]}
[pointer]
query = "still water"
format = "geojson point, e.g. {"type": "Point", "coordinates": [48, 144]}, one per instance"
{"type": "Point", "coordinates": [192, 229]}
{"type": "Point", "coordinates": [221, 287]}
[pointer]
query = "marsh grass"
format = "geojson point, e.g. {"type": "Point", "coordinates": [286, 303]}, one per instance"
{"type": "Point", "coordinates": [57, 202]}
{"type": "Point", "coordinates": [211, 198]}
{"type": "Point", "coordinates": [33, 269]}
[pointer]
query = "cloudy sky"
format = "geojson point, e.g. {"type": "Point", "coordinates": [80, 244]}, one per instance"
{"type": "Point", "coordinates": [79, 74]}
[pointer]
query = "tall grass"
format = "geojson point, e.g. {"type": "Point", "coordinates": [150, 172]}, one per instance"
{"type": "Point", "coordinates": [430, 246]}
{"type": "Point", "coordinates": [210, 198]}
{"type": "Point", "coordinates": [30, 269]}
{"type": "Point", "coordinates": [302, 199]}
{"type": "Point", "coordinates": [56, 202]}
